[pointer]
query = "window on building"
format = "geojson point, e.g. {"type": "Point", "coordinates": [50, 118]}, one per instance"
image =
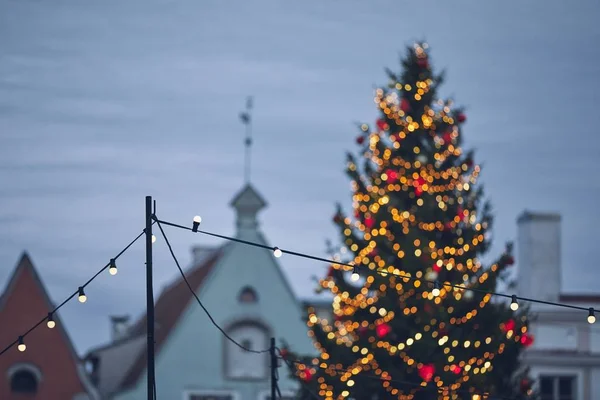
{"type": "Point", "coordinates": [209, 396]}
{"type": "Point", "coordinates": [285, 395]}
{"type": "Point", "coordinates": [242, 364]}
{"type": "Point", "coordinates": [247, 295]}
{"type": "Point", "coordinates": [23, 381]}
{"type": "Point", "coordinates": [558, 387]}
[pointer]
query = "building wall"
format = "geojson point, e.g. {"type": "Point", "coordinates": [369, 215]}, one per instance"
{"type": "Point", "coordinates": [192, 357]}
{"type": "Point", "coordinates": [565, 344]}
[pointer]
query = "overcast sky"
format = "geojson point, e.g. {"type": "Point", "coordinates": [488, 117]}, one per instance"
{"type": "Point", "coordinates": [104, 102]}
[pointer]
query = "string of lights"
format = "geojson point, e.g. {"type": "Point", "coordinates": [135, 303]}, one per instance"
{"type": "Point", "coordinates": [210, 317]}
{"type": "Point", "coordinates": [80, 293]}
{"type": "Point", "coordinates": [278, 252]}
{"type": "Point", "coordinates": [342, 371]}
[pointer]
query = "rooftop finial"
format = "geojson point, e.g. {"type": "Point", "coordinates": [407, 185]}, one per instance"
{"type": "Point", "coordinates": [246, 118]}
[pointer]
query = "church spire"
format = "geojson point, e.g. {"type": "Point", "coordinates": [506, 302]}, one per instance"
{"type": "Point", "coordinates": [247, 202]}
{"type": "Point", "coordinates": [246, 118]}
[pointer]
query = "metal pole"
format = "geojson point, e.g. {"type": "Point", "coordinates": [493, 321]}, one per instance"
{"type": "Point", "coordinates": [273, 369]}
{"type": "Point", "coordinates": [149, 299]}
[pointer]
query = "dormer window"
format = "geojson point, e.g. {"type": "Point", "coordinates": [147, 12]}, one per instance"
{"type": "Point", "coordinates": [248, 295]}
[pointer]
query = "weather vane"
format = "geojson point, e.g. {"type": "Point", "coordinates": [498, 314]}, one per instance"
{"type": "Point", "coordinates": [246, 118]}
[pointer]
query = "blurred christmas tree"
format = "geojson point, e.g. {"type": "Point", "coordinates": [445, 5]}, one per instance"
{"type": "Point", "coordinates": [404, 325]}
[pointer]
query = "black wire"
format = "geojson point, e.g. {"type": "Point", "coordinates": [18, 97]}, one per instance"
{"type": "Point", "coordinates": [339, 371]}
{"type": "Point", "coordinates": [382, 273]}
{"type": "Point", "coordinates": [154, 389]}
{"type": "Point", "coordinates": [198, 299]}
{"type": "Point", "coordinates": [278, 391]}
{"type": "Point", "coordinates": [72, 295]}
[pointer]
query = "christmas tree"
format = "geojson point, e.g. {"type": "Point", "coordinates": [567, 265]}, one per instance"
{"type": "Point", "coordinates": [412, 313]}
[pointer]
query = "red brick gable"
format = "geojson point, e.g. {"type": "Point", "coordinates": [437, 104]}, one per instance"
{"type": "Point", "coordinates": [23, 303]}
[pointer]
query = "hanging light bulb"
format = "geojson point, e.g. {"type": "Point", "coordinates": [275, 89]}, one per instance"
{"type": "Point", "coordinates": [51, 324]}
{"type": "Point", "coordinates": [113, 267]}
{"type": "Point", "coordinates": [153, 238]}
{"type": "Point", "coordinates": [21, 346]}
{"type": "Point", "coordinates": [82, 296]}
{"type": "Point", "coordinates": [513, 303]}
{"type": "Point", "coordinates": [436, 289]}
{"type": "Point", "coordinates": [591, 317]}
{"type": "Point", "coordinates": [277, 252]}
{"type": "Point", "coordinates": [355, 276]}
{"type": "Point", "coordinates": [196, 223]}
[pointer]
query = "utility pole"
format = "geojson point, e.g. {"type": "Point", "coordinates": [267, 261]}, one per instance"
{"type": "Point", "coordinates": [273, 369]}
{"type": "Point", "coordinates": [149, 300]}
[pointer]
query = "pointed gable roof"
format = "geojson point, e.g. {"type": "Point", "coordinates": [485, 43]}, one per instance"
{"type": "Point", "coordinates": [168, 310]}
{"type": "Point", "coordinates": [248, 199]}
{"type": "Point", "coordinates": [26, 270]}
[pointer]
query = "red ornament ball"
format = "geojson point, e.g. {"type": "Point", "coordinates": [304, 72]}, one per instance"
{"type": "Point", "coordinates": [509, 325]}
{"type": "Point", "coordinates": [461, 118]}
{"type": "Point", "coordinates": [447, 137]}
{"type": "Point", "coordinates": [383, 330]}
{"type": "Point", "coordinates": [404, 105]}
{"type": "Point", "coordinates": [391, 175]}
{"type": "Point", "coordinates": [382, 125]}
{"type": "Point", "coordinates": [369, 222]}
{"type": "Point", "coordinates": [423, 62]}
{"type": "Point", "coordinates": [527, 339]}
{"type": "Point", "coordinates": [330, 271]}
{"type": "Point", "coordinates": [284, 352]}
{"type": "Point", "coordinates": [456, 369]}
{"type": "Point", "coordinates": [510, 260]}
{"type": "Point", "coordinates": [426, 372]}
{"type": "Point", "coordinates": [307, 375]}
{"type": "Point", "coordinates": [337, 218]}
{"type": "Point", "coordinates": [436, 268]}
{"type": "Point", "coordinates": [360, 139]}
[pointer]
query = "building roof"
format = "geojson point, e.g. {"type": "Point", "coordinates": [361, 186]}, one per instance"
{"type": "Point", "coordinates": [538, 216]}
{"type": "Point", "coordinates": [248, 199]}
{"type": "Point", "coordinates": [168, 309]}
{"type": "Point", "coordinates": [25, 266]}
{"type": "Point", "coordinates": [587, 298]}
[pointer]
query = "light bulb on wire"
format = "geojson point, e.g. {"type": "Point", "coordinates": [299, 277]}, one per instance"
{"type": "Point", "coordinates": [196, 223]}
{"type": "Point", "coordinates": [513, 303]}
{"type": "Point", "coordinates": [82, 296]}
{"type": "Point", "coordinates": [153, 238]}
{"type": "Point", "coordinates": [277, 252]}
{"type": "Point", "coordinates": [21, 346]}
{"type": "Point", "coordinates": [113, 267]}
{"type": "Point", "coordinates": [436, 289]}
{"type": "Point", "coordinates": [591, 316]}
{"type": "Point", "coordinates": [355, 276]}
{"type": "Point", "coordinates": [50, 323]}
